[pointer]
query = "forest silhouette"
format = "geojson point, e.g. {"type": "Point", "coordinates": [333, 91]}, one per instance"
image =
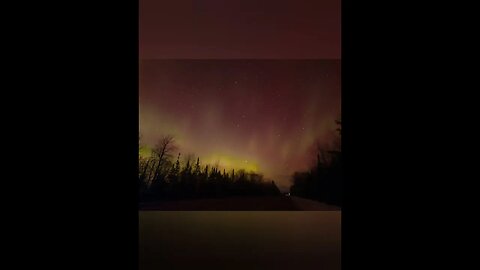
{"type": "Point", "coordinates": [323, 182]}
{"type": "Point", "coordinates": [162, 177]}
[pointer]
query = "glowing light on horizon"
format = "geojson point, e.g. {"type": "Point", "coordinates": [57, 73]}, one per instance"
{"type": "Point", "coordinates": [256, 115]}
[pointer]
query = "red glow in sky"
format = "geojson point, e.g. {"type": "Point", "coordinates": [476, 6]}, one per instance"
{"type": "Point", "coordinates": [202, 79]}
{"type": "Point", "coordinates": [263, 115]}
{"type": "Point", "coordinates": [207, 29]}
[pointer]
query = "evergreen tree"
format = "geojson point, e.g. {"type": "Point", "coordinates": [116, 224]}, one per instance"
{"type": "Point", "coordinates": [174, 172]}
{"type": "Point", "coordinates": [196, 170]}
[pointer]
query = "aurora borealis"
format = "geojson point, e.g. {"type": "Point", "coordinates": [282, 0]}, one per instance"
{"type": "Point", "coordinates": [259, 115]}
{"type": "Point", "coordinates": [245, 83]}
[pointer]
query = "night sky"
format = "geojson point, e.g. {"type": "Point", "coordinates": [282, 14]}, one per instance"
{"type": "Point", "coordinates": [240, 29]}
{"type": "Point", "coordinates": [260, 115]}
{"type": "Point", "coordinates": [250, 84]}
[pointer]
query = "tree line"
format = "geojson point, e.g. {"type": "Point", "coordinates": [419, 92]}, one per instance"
{"type": "Point", "coordinates": [323, 182]}
{"type": "Point", "coordinates": [161, 177]}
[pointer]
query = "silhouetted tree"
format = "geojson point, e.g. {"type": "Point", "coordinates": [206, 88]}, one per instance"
{"type": "Point", "coordinates": [162, 179]}
{"type": "Point", "coordinates": [324, 181]}
{"type": "Point", "coordinates": [196, 170]}
{"type": "Point", "coordinates": [162, 152]}
{"type": "Point", "coordinates": [154, 168]}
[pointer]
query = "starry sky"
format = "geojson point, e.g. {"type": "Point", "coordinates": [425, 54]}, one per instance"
{"type": "Point", "coordinates": [250, 84]}
{"type": "Point", "coordinates": [260, 115]}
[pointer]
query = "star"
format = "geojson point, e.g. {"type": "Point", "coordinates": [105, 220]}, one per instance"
{"type": "Point", "coordinates": [205, 111]}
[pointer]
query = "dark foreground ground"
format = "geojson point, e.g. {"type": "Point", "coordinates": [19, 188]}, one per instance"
{"type": "Point", "coordinates": [278, 203]}
{"type": "Point", "coordinates": [234, 240]}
